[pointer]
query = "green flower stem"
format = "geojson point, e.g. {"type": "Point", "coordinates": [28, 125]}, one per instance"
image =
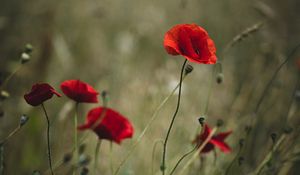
{"type": "Point", "coordinates": [75, 138]}
{"type": "Point", "coordinates": [197, 153]}
{"type": "Point", "coordinates": [97, 155]}
{"type": "Point", "coordinates": [152, 118]}
{"type": "Point", "coordinates": [163, 166]}
{"type": "Point", "coordinates": [111, 158]}
{"type": "Point", "coordinates": [48, 139]}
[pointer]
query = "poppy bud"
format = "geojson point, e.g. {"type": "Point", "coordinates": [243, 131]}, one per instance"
{"type": "Point", "coordinates": [162, 168]}
{"type": "Point", "coordinates": [81, 149]}
{"type": "Point", "coordinates": [201, 121]}
{"type": "Point", "coordinates": [23, 120]}
{"type": "Point", "coordinates": [84, 171]}
{"type": "Point", "coordinates": [28, 48]}
{"type": "Point", "coordinates": [4, 95]}
{"type": "Point", "coordinates": [188, 69]}
{"type": "Point", "coordinates": [248, 129]}
{"type": "Point", "coordinates": [25, 57]}
{"type": "Point", "coordinates": [219, 78]}
{"type": "Point", "coordinates": [220, 122]}
{"type": "Point", "coordinates": [36, 172]}
{"type": "Point", "coordinates": [241, 160]}
{"type": "Point", "coordinates": [241, 142]}
{"type": "Point", "coordinates": [84, 160]}
{"type": "Point", "coordinates": [67, 158]}
{"type": "Point", "coordinates": [288, 130]}
{"type": "Point", "coordinates": [273, 137]}
{"type": "Point", "coordinates": [1, 112]}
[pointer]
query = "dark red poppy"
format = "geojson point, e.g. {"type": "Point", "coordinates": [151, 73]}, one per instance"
{"type": "Point", "coordinates": [192, 42]}
{"type": "Point", "coordinates": [79, 91]}
{"type": "Point", "coordinates": [40, 93]}
{"type": "Point", "coordinates": [216, 141]}
{"type": "Point", "coordinates": [108, 124]}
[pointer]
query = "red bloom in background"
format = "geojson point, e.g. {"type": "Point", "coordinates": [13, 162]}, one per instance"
{"type": "Point", "coordinates": [108, 124]}
{"type": "Point", "coordinates": [79, 91]}
{"type": "Point", "coordinates": [40, 93]}
{"type": "Point", "coordinates": [192, 42]}
{"type": "Point", "coordinates": [216, 141]}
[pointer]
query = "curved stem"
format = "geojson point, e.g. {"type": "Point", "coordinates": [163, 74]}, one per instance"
{"type": "Point", "coordinates": [9, 77]}
{"type": "Point", "coordinates": [75, 137]}
{"type": "Point", "coordinates": [153, 153]}
{"type": "Point", "coordinates": [96, 155]}
{"type": "Point", "coordinates": [197, 153]}
{"type": "Point", "coordinates": [152, 118]}
{"type": "Point", "coordinates": [111, 157]}
{"type": "Point", "coordinates": [163, 167]}
{"type": "Point", "coordinates": [232, 162]}
{"type": "Point", "coordinates": [48, 138]}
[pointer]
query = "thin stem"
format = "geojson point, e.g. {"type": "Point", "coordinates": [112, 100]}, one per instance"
{"type": "Point", "coordinates": [96, 155]}
{"type": "Point", "coordinates": [273, 77]}
{"type": "Point", "coordinates": [48, 138]}
{"type": "Point", "coordinates": [75, 137]}
{"type": "Point", "coordinates": [232, 162]}
{"type": "Point", "coordinates": [152, 118]}
{"type": "Point", "coordinates": [163, 167]}
{"type": "Point", "coordinates": [9, 77]}
{"type": "Point", "coordinates": [4, 141]}
{"type": "Point", "coordinates": [111, 157]}
{"type": "Point", "coordinates": [1, 160]}
{"type": "Point", "coordinates": [197, 153]}
{"type": "Point", "coordinates": [269, 156]}
{"type": "Point", "coordinates": [184, 156]}
{"type": "Point", "coordinates": [153, 154]}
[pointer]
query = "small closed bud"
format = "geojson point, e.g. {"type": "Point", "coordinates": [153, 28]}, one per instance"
{"type": "Point", "coordinates": [1, 112]}
{"type": "Point", "coordinates": [28, 48]}
{"type": "Point", "coordinates": [84, 171]}
{"type": "Point", "coordinates": [162, 168]}
{"type": "Point", "coordinates": [36, 172]}
{"type": "Point", "coordinates": [67, 158]}
{"type": "Point", "coordinates": [219, 78]}
{"type": "Point", "coordinates": [273, 137]}
{"type": "Point", "coordinates": [288, 130]}
{"type": "Point", "coordinates": [201, 121]}
{"type": "Point", "coordinates": [241, 160]}
{"type": "Point", "coordinates": [220, 122]}
{"type": "Point", "coordinates": [248, 129]}
{"type": "Point", "coordinates": [25, 57]}
{"type": "Point", "coordinates": [241, 142]}
{"type": "Point", "coordinates": [188, 69]}
{"type": "Point", "coordinates": [4, 95]}
{"type": "Point", "coordinates": [84, 160]}
{"type": "Point", "coordinates": [23, 120]}
{"type": "Point", "coordinates": [81, 149]}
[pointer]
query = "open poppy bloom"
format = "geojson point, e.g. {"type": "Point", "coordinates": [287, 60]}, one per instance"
{"type": "Point", "coordinates": [40, 93]}
{"type": "Point", "coordinates": [79, 91]}
{"type": "Point", "coordinates": [216, 141]}
{"type": "Point", "coordinates": [192, 42]}
{"type": "Point", "coordinates": [108, 124]}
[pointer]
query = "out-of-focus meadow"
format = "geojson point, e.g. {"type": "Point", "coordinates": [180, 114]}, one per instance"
{"type": "Point", "coordinates": [116, 45]}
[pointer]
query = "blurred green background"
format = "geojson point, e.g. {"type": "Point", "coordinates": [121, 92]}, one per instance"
{"type": "Point", "coordinates": [116, 45]}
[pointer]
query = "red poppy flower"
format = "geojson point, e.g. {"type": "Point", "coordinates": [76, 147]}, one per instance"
{"type": "Point", "coordinates": [192, 42]}
{"type": "Point", "coordinates": [79, 91]}
{"type": "Point", "coordinates": [40, 93]}
{"type": "Point", "coordinates": [112, 125]}
{"type": "Point", "coordinates": [216, 141]}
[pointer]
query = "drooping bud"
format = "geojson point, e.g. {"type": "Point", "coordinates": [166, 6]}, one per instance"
{"type": "Point", "coordinates": [241, 142]}
{"type": "Point", "coordinates": [67, 158]}
{"type": "Point", "coordinates": [4, 95]}
{"type": "Point", "coordinates": [219, 78]}
{"type": "Point", "coordinates": [220, 122]}
{"type": "Point", "coordinates": [241, 160]}
{"type": "Point", "coordinates": [23, 120]}
{"type": "Point", "coordinates": [188, 69]}
{"type": "Point", "coordinates": [84, 171]}
{"type": "Point", "coordinates": [273, 137]}
{"type": "Point", "coordinates": [28, 48]}
{"type": "Point", "coordinates": [25, 57]}
{"type": "Point", "coordinates": [84, 160]}
{"type": "Point", "coordinates": [201, 121]}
